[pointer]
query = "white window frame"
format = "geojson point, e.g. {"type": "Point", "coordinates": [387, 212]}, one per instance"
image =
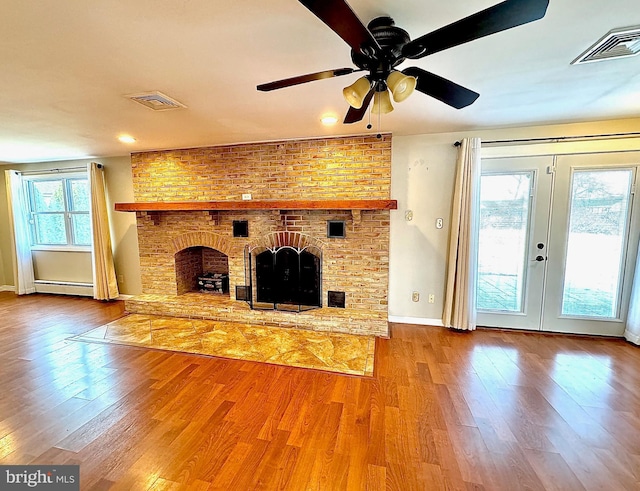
{"type": "Point", "coordinates": [66, 179]}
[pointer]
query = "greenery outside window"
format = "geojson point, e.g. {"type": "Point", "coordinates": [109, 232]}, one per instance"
{"type": "Point", "coordinates": [59, 210]}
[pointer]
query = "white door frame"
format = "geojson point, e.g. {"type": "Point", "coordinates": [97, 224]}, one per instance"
{"type": "Point", "coordinates": [545, 315]}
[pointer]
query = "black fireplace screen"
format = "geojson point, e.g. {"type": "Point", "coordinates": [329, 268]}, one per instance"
{"type": "Point", "coordinates": [284, 278]}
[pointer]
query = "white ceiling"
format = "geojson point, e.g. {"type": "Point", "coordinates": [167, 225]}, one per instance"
{"type": "Point", "coordinates": [66, 65]}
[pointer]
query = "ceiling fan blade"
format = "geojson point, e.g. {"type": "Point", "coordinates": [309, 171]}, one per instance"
{"type": "Point", "coordinates": [302, 79]}
{"type": "Point", "coordinates": [344, 22]}
{"type": "Point", "coordinates": [354, 115]}
{"type": "Point", "coordinates": [500, 17]}
{"type": "Point", "coordinates": [442, 89]}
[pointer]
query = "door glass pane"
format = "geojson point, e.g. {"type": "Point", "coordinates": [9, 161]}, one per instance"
{"type": "Point", "coordinates": [595, 247]}
{"type": "Point", "coordinates": [502, 248]}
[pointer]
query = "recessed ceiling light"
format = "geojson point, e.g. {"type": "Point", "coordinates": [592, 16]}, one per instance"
{"type": "Point", "coordinates": [126, 139]}
{"type": "Point", "coordinates": [329, 119]}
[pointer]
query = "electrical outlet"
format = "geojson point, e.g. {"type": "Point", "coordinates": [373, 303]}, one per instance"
{"type": "Point", "coordinates": [415, 296]}
{"type": "Point", "coordinates": [408, 215]}
{"type": "Point", "coordinates": [246, 196]}
{"type": "Point", "coordinates": [120, 278]}
{"type": "Point", "coordinates": [432, 298]}
{"type": "Point", "coordinates": [439, 223]}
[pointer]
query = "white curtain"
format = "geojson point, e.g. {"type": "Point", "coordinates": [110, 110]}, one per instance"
{"type": "Point", "coordinates": [19, 225]}
{"type": "Point", "coordinates": [105, 286]}
{"type": "Point", "coordinates": [632, 331]}
{"type": "Point", "coordinates": [460, 295]}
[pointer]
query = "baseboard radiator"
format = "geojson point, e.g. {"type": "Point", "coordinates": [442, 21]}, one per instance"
{"type": "Point", "coordinates": [64, 288]}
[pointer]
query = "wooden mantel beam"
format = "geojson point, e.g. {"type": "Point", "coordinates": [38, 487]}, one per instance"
{"type": "Point", "coordinates": [328, 204]}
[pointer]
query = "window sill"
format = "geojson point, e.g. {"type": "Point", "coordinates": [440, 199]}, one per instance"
{"type": "Point", "coordinates": [61, 248]}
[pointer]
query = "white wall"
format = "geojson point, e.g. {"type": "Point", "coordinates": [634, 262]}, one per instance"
{"type": "Point", "coordinates": [74, 267]}
{"type": "Point", "coordinates": [124, 234]}
{"type": "Point", "coordinates": [423, 172]}
{"type": "Point", "coordinates": [422, 177]}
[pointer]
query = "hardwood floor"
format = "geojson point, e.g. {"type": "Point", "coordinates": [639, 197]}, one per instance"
{"type": "Point", "coordinates": [488, 410]}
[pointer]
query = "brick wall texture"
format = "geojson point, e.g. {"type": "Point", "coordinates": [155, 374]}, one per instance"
{"type": "Point", "coordinates": [350, 168]}
{"type": "Point", "coordinates": [334, 168]}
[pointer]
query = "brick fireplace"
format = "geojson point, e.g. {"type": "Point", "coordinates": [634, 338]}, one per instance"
{"type": "Point", "coordinates": [177, 245]}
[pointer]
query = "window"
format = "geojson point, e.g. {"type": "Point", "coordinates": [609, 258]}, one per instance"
{"type": "Point", "coordinates": [59, 210]}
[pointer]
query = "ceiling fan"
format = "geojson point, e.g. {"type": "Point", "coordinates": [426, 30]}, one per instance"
{"type": "Point", "coordinates": [381, 46]}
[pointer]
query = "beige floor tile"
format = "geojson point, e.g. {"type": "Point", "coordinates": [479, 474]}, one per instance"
{"type": "Point", "coordinates": [201, 325]}
{"type": "Point", "coordinates": [125, 330]}
{"type": "Point", "coordinates": [298, 358]}
{"type": "Point", "coordinates": [176, 341]}
{"type": "Point", "coordinates": [229, 343]}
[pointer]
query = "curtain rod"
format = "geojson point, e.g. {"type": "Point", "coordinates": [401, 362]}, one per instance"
{"type": "Point", "coordinates": [62, 169]}
{"type": "Point", "coordinates": [557, 139]}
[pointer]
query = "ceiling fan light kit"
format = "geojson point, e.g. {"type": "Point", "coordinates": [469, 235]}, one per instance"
{"type": "Point", "coordinates": [381, 103]}
{"type": "Point", "coordinates": [355, 93]}
{"type": "Point", "coordinates": [381, 46]}
{"type": "Point", "coordinates": [401, 85]}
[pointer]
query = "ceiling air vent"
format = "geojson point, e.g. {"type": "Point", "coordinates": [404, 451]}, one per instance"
{"type": "Point", "coordinates": [618, 43]}
{"type": "Point", "coordinates": [156, 101]}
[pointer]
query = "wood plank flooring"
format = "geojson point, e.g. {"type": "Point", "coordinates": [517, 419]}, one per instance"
{"type": "Point", "coordinates": [489, 410]}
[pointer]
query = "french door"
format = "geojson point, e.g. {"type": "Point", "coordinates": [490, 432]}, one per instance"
{"type": "Point", "coordinates": [557, 242]}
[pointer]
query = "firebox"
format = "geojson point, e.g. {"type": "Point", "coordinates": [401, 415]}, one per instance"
{"type": "Point", "coordinates": [284, 277]}
{"type": "Point", "coordinates": [201, 269]}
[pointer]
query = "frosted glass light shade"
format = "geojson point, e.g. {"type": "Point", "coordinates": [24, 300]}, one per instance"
{"type": "Point", "coordinates": [381, 103]}
{"type": "Point", "coordinates": [401, 85]}
{"type": "Point", "coordinates": [355, 93]}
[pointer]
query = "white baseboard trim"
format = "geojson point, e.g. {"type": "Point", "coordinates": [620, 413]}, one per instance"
{"type": "Point", "coordinates": [416, 320]}
{"type": "Point", "coordinates": [64, 288]}
{"type": "Point", "coordinates": [7, 288]}
{"type": "Point", "coordinates": [632, 338]}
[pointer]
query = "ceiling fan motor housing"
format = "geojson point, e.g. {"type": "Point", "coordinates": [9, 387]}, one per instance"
{"type": "Point", "coordinates": [391, 39]}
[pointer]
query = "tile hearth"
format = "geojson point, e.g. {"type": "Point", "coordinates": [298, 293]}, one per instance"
{"type": "Point", "coordinates": [334, 352]}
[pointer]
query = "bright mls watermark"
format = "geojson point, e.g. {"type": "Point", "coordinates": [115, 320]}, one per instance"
{"type": "Point", "coordinates": [40, 477]}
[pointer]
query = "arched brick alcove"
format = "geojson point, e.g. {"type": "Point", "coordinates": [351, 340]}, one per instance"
{"type": "Point", "coordinates": [201, 239]}
{"type": "Point", "coordinates": [197, 254]}
{"type": "Point", "coordinates": [295, 240]}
